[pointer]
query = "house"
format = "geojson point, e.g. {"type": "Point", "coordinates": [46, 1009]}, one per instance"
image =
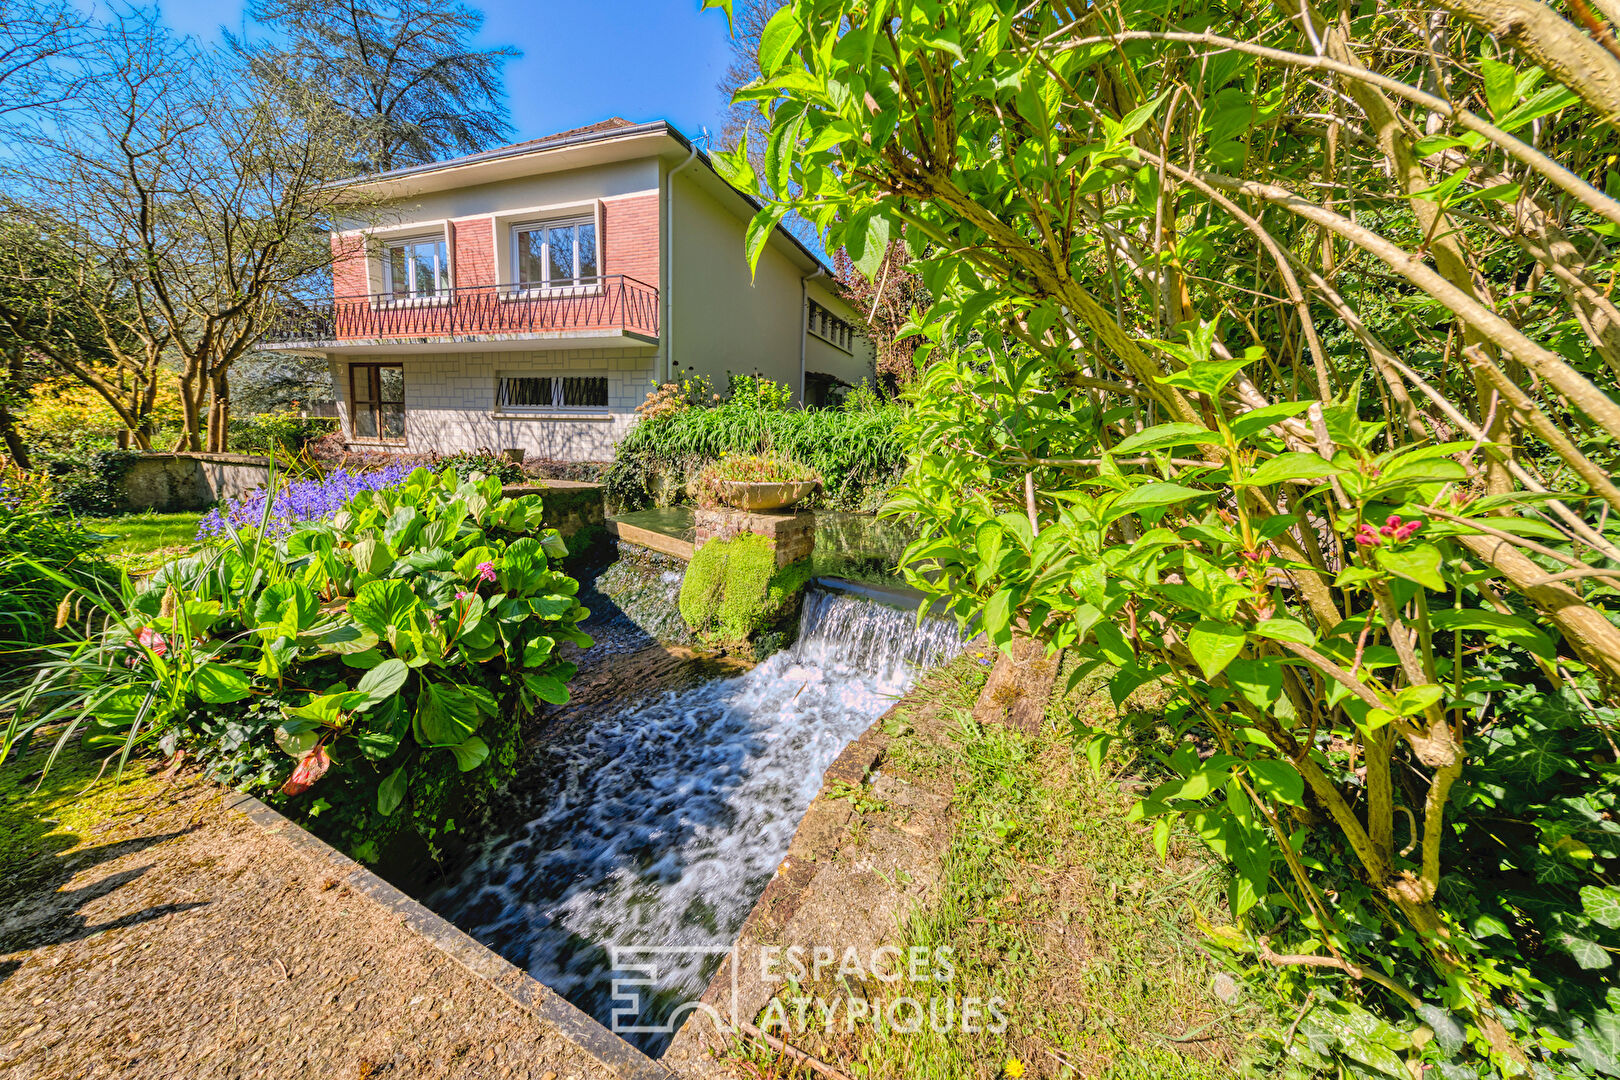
{"type": "Point", "coordinates": [529, 297]}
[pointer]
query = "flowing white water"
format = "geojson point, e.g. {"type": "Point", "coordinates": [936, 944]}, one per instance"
{"type": "Point", "coordinates": [662, 825]}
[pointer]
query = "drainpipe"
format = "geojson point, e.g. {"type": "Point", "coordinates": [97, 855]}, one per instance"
{"type": "Point", "coordinates": [668, 282]}
{"type": "Point", "coordinates": [804, 320]}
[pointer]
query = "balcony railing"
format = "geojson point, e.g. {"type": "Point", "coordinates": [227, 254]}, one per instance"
{"type": "Point", "coordinates": [605, 304]}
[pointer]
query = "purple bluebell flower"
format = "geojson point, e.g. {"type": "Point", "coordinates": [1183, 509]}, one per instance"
{"type": "Point", "coordinates": [306, 500]}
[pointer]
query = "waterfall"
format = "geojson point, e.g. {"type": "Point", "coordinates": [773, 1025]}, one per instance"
{"type": "Point", "coordinates": [662, 825]}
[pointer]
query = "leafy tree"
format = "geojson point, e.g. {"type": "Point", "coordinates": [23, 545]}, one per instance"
{"type": "Point", "coordinates": [886, 303]}
{"type": "Point", "coordinates": [402, 77]}
{"type": "Point", "coordinates": [1271, 359]}
{"type": "Point", "coordinates": [62, 310]}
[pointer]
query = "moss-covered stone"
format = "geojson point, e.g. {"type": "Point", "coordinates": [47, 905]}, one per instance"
{"type": "Point", "coordinates": [734, 593]}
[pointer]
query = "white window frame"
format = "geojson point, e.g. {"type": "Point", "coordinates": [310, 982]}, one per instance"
{"type": "Point", "coordinates": [555, 408]}
{"type": "Point", "coordinates": [545, 285]}
{"type": "Point", "coordinates": [441, 270]}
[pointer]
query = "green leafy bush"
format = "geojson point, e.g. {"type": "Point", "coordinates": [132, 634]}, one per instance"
{"type": "Point", "coordinates": [33, 533]}
{"type": "Point", "coordinates": [279, 433]}
{"type": "Point", "coordinates": [91, 483]}
{"type": "Point", "coordinates": [854, 452]}
{"type": "Point", "coordinates": [393, 646]}
{"type": "Point", "coordinates": [468, 463]}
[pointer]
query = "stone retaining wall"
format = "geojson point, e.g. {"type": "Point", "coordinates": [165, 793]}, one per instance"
{"type": "Point", "coordinates": [170, 483]}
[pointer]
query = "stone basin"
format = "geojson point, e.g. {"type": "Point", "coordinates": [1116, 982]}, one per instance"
{"type": "Point", "coordinates": [757, 495]}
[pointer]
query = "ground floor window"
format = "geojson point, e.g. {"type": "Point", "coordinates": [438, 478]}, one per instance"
{"type": "Point", "coordinates": [545, 393]}
{"type": "Point", "coordinates": [377, 401]}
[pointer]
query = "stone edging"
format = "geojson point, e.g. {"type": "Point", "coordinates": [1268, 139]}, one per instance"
{"type": "Point", "coordinates": [530, 995]}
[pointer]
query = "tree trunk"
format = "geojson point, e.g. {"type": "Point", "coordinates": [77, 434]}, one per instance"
{"type": "Point", "coordinates": [219, 411]}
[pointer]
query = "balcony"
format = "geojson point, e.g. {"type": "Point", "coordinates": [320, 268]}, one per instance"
{"type": "Point", "coordinates": [604, 310]}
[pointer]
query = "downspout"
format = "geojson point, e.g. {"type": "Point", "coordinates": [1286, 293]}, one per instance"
{"type": "Point", "coordinates": [804, 320]}
{"type": "Point", "coordinates": [666, 331]}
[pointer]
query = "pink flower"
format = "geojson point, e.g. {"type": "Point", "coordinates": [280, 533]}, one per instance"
{"type": "Point", "coordinates": [153, 640]}
{"type": "Point", "coordinates": [311, 768]}
{"type": "Point", "coordinates": [1408, 529]}
{"type": "Point", "coordinates": [486, 570]}
{"type": "Point", "coordinates": [460, 595]}
{"type": "Point", "coordinates": [1252, 556]}
{"type": "Point", "coordinates": [1367, 536]}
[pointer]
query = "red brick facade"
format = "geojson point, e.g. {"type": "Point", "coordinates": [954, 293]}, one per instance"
{"type": "Point", "coordinates": [349, 266]}
{"type": "Point", "coordinates": [630, 237]}
{"type": "Point", "coordinates": [473, 247]}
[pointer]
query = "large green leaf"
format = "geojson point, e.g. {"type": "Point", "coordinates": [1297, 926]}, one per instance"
{"type": "Point", "coordinates": [383, 681]}
{"type": "Point", "coordinates": [391, 792]}
{"type": "Point", "coordinates": [470, 754]}
{"type": "Point", "coordinates": [382, 606]}
{"type": "Point", "coordinates": [1497, 624]}
{"type": "Point", "coordinates": [1602, 904]}
{"type": "Point", "coordinates": [1290, 466]}
{"type": "Point", "coordinates": [1214, 645]}
{"type": "Point", "coordinates": [1164, 436]}
{"type": "Point", "coordinates": [445, 716]}
{"type": "Point", "coordinates": [1278, 779]}
{"type": "Point", "coordinates": [782, 31]}
{"type": "Point", "coordinates": [218, 683]}
{"type": "Point", "coordinates": [1419, 563]}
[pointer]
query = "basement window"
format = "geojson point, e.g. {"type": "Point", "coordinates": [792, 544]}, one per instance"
{"type": "Point", "coordinates": [551, 393]}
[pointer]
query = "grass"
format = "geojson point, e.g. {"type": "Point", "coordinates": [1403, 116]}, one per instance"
{"type": "Point", "coordinates": [1056, 904]}
{"type": "Point", "coordinates": [41, 820]}
{"type": "Point", "coordinates": [142, 542]}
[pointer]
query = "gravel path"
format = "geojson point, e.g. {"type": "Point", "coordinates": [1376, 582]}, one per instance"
{"type": "Point", "coordinates": [182, 940]}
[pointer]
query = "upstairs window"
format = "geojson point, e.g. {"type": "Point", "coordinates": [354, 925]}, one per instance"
{"type": "Point", "coordinates": [413, 268]}
{"type": "Point", "coordinates": [829, 327]}
{"type": "Point", "coordinates": [555, 254]}
{"type": "Point", "coordinates": [549, 393]}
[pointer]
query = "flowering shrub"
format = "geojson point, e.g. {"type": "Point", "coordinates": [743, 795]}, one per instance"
{"type": "Point", "coordinates": [303, 500]}
{"type": "Point", "coordinates": [372, 657]}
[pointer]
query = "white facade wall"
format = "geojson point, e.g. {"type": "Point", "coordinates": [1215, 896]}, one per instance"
{"type": "Point", "coordinates": [450, 401]}
{"type": "Point", "coordinates": [726, 321]}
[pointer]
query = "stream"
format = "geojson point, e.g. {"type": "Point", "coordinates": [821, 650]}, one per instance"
{"type": "Point", "coordinates": [661, 825]}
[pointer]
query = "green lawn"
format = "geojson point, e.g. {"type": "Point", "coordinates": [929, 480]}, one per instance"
{"type": "Point", "coordinates": [140, 542]}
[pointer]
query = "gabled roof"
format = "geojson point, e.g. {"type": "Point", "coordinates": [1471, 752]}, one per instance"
{"type": "Point", "coordinates": [566, 144]}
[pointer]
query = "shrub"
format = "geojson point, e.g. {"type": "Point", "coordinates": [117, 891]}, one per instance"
{"type": "Point", "coordinates": [91, 483]}
{"type": "Point", "coordinates": [854, 451]}
{"type": "Point", "coordinates": [285, 434]}
{"type": "Point", "coordinates": [391, 646]}
{"type": "Point", "coordinates": [469, 463]}
{"type": "Point", "coordinates": [34, 534]}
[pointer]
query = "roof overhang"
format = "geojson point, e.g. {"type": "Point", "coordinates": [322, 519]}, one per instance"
{"type": "Point", "coordinates": [655, 139]}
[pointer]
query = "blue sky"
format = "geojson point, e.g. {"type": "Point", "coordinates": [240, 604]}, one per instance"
{"type": "Point", "coordinates": [582, 62]}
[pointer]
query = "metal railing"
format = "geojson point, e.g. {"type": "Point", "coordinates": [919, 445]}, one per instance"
{"type": "Point", "coordinates": [610, 302]}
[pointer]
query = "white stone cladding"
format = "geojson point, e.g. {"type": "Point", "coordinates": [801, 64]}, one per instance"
{"type": "Point", "coordinates": [450, 401]}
